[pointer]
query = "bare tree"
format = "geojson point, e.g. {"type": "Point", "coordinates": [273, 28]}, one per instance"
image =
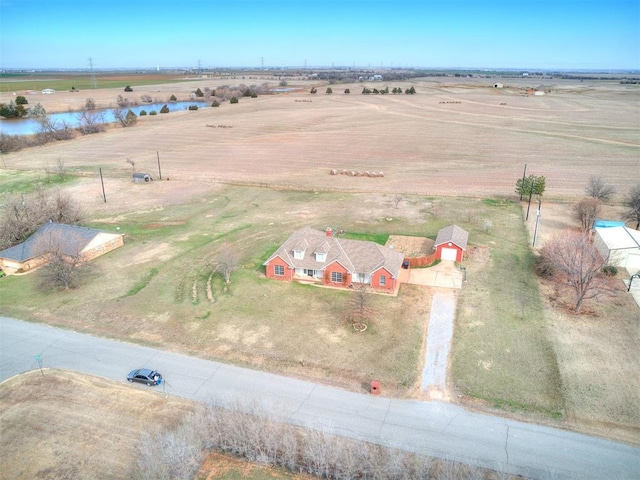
{"type": "Point", "coordinates": [632, 206]}
{"type": "Point", "coordinates": [132, 163]}
{"type": "Point", "coordinates": [397, 198]}
{"type": "Point", "coordinates": [90, 104]}
{"type": "Point", "coordinates": [226, 261]}
{"type": "Point", "coordinates": [63, 259]}
{"type": "Point", "coordinates": [91, 122]}
{"type": "Point", "coordinates": [577, 265]}
{"type": "Point", "coordinates": [598, 189]}
{"type": "Point", "coordinates": [360, 310]}
{"type": "Point", "coordinates": [21, 215]}
{"type": "Point", "coordinates": [586, 211]}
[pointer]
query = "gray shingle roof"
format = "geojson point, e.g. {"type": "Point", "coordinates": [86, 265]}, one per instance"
{"type": "Point", "coordinates": [355, 255]}
{"type": "Point", "coordinates": [71, 239]}
{"type": "Point", "coordinates": [453, 234]}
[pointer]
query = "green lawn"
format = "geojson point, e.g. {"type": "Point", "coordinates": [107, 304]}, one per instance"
{"type": "Point", "coordinates": [157, 290]}
{"type": "Point", "coordinates": [502, 351]}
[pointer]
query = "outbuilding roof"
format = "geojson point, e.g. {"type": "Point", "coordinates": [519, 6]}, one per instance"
{"type": "Point", "coordinates": [617, 238]}
{"type": "Point", "coordinates": [453, 234]}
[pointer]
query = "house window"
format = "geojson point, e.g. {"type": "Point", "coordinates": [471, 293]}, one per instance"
{"type": "Point", "coordinates": [336, 277]}
{"type": "Point", "coordinates": [321, 257]}
{"type": "Point", "coordinates": [383, 280]}
{"type": "Point", "coordinates": [298, 254]}
{"type": "Point", "coordinates": [278, 270]}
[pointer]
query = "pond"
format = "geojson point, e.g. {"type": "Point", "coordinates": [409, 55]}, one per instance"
{"type": "Point", "coordinates": [29, 126]}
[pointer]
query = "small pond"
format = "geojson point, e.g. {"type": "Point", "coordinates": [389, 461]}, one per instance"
{"type": "Point", "coordinates": [28, 126]}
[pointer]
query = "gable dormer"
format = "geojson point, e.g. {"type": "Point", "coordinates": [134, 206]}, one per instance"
{"type": "Point", "coordinates": [320, 252]}
{"type": "Point", "coordinates": [298, 250]}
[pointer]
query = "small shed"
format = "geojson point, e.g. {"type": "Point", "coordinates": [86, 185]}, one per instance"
{"type": "Point", "coordinates": [451, 243]}
{"type": "Point", "coordinates": [498, 85]}
{"type": "Point", "coordinates": [619, 246]}
{"type": "Point", "coordinates": [141, 178]}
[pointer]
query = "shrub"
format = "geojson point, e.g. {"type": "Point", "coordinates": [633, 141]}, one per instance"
{"type": "Point", "coordinates": [153, 112]}
{"type": "Point", "coordinates": [128, 88]}
{"type": "Point", "coordinates": [329, 91]}
{"type": "Point", "coordinates": [215, 103]}
{"type": "Point", "coordinates": [143, 113]}
{"type": "Point", "coordinates": [131, 118]}
{"type": "Point", "coordinates": [21, 100]}
{"type": "Point", "coordinates": [193, 107]}
{"type": "Point", "coordinates": [233, 100]}
{"type": "Point", "coordinates": [199, 93]}
{"type": "Point", "coordinates": [610, 270]}
{"type": "Point", "coordinates": [347, 91]}
{"type": "Point", "coordinates": [173, 98]}
{"type": "Point", "coordinates": [314, 90]}
{"type": "Point", "coordinates": [544, 268]}
{"type": "Point", "coordinates": [164, 109]}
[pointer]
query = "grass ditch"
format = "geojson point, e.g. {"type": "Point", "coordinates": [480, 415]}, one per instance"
{"type": "Point", "coordinates": [502, 351]}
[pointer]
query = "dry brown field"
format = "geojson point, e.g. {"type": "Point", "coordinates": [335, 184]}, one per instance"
{"type": "Point", "coordinates": [65, 425]}
{"type": "Point", "coordinates": [454, 137]}
{"type": "Point", "coordinates": [460, 138]}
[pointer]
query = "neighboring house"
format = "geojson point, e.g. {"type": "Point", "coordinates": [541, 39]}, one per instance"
{"type": "Point", "coordinates": [451, 243]}
{"type": "Point", "coordinates": [317, 256]}
{"type": "Point", "coordinates": [70, 240]}
{"type": "Point", "coordinates": [619, 246]}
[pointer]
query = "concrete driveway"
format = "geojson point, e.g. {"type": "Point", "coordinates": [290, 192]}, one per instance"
{"type": "Point", "coordinates": [445, 275]}
{"type": "Point", "coordinates": [430, 428]}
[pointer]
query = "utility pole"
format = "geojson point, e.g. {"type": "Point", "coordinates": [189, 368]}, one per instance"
{"type": "Point", "coordinates": [104, 195]}
{"type": "Point", "coordinates": [524, 175]}
{"type": "Point", "coordinates": [159, 171]}
{"type": "Point", "coordinates": [535, 231]}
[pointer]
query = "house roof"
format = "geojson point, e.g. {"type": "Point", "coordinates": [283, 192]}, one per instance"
{"type": "Point", "coordinates": [453, 234]}
{"type": "Point", "coordinates": [616, 238]}
{"type": "Point", "coordinates": [356, 256]}
{"type": "Point", "coordinates": [72, 239]}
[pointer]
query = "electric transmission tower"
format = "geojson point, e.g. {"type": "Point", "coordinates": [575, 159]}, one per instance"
{"type": "Point", "coordinates": [93, 75]}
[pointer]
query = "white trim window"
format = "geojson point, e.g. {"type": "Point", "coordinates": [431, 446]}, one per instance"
{"type": "Point", "coordinates": [336, 277]}
{"type": "Point", "coordinates": [278, 270]}
{"type": "Point", "coordinates": [298, 254]}
{"type": "Point", "coordinates": [383, 280]}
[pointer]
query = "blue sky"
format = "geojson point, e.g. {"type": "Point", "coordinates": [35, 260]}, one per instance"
{"type": "Point", "coordinates": [518, 34]}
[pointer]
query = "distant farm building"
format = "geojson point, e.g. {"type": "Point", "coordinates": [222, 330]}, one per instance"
{"type": "Point", "coordinates": [48, 91]}
{"type": "Point", "coordinates": [142, 178]}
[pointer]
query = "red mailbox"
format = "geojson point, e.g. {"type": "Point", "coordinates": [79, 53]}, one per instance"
{"type": "Point", "coordinates": [375, 387]}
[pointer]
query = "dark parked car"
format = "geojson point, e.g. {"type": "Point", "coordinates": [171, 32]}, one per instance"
{"type": "Point", "coordinates": [146, 376]}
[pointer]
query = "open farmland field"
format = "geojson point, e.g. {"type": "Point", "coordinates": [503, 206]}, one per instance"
{"type": "Point", "coordinates": [454, 137]}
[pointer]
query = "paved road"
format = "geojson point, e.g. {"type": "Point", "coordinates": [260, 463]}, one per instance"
{"type": "Point", "coordinates": [431, 428]}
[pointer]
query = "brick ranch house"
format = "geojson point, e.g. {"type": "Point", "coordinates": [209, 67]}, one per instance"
{"type": "Point", "coordinates": [317, 256]}
{"type": "Point", "coordinates": [70, 240]}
